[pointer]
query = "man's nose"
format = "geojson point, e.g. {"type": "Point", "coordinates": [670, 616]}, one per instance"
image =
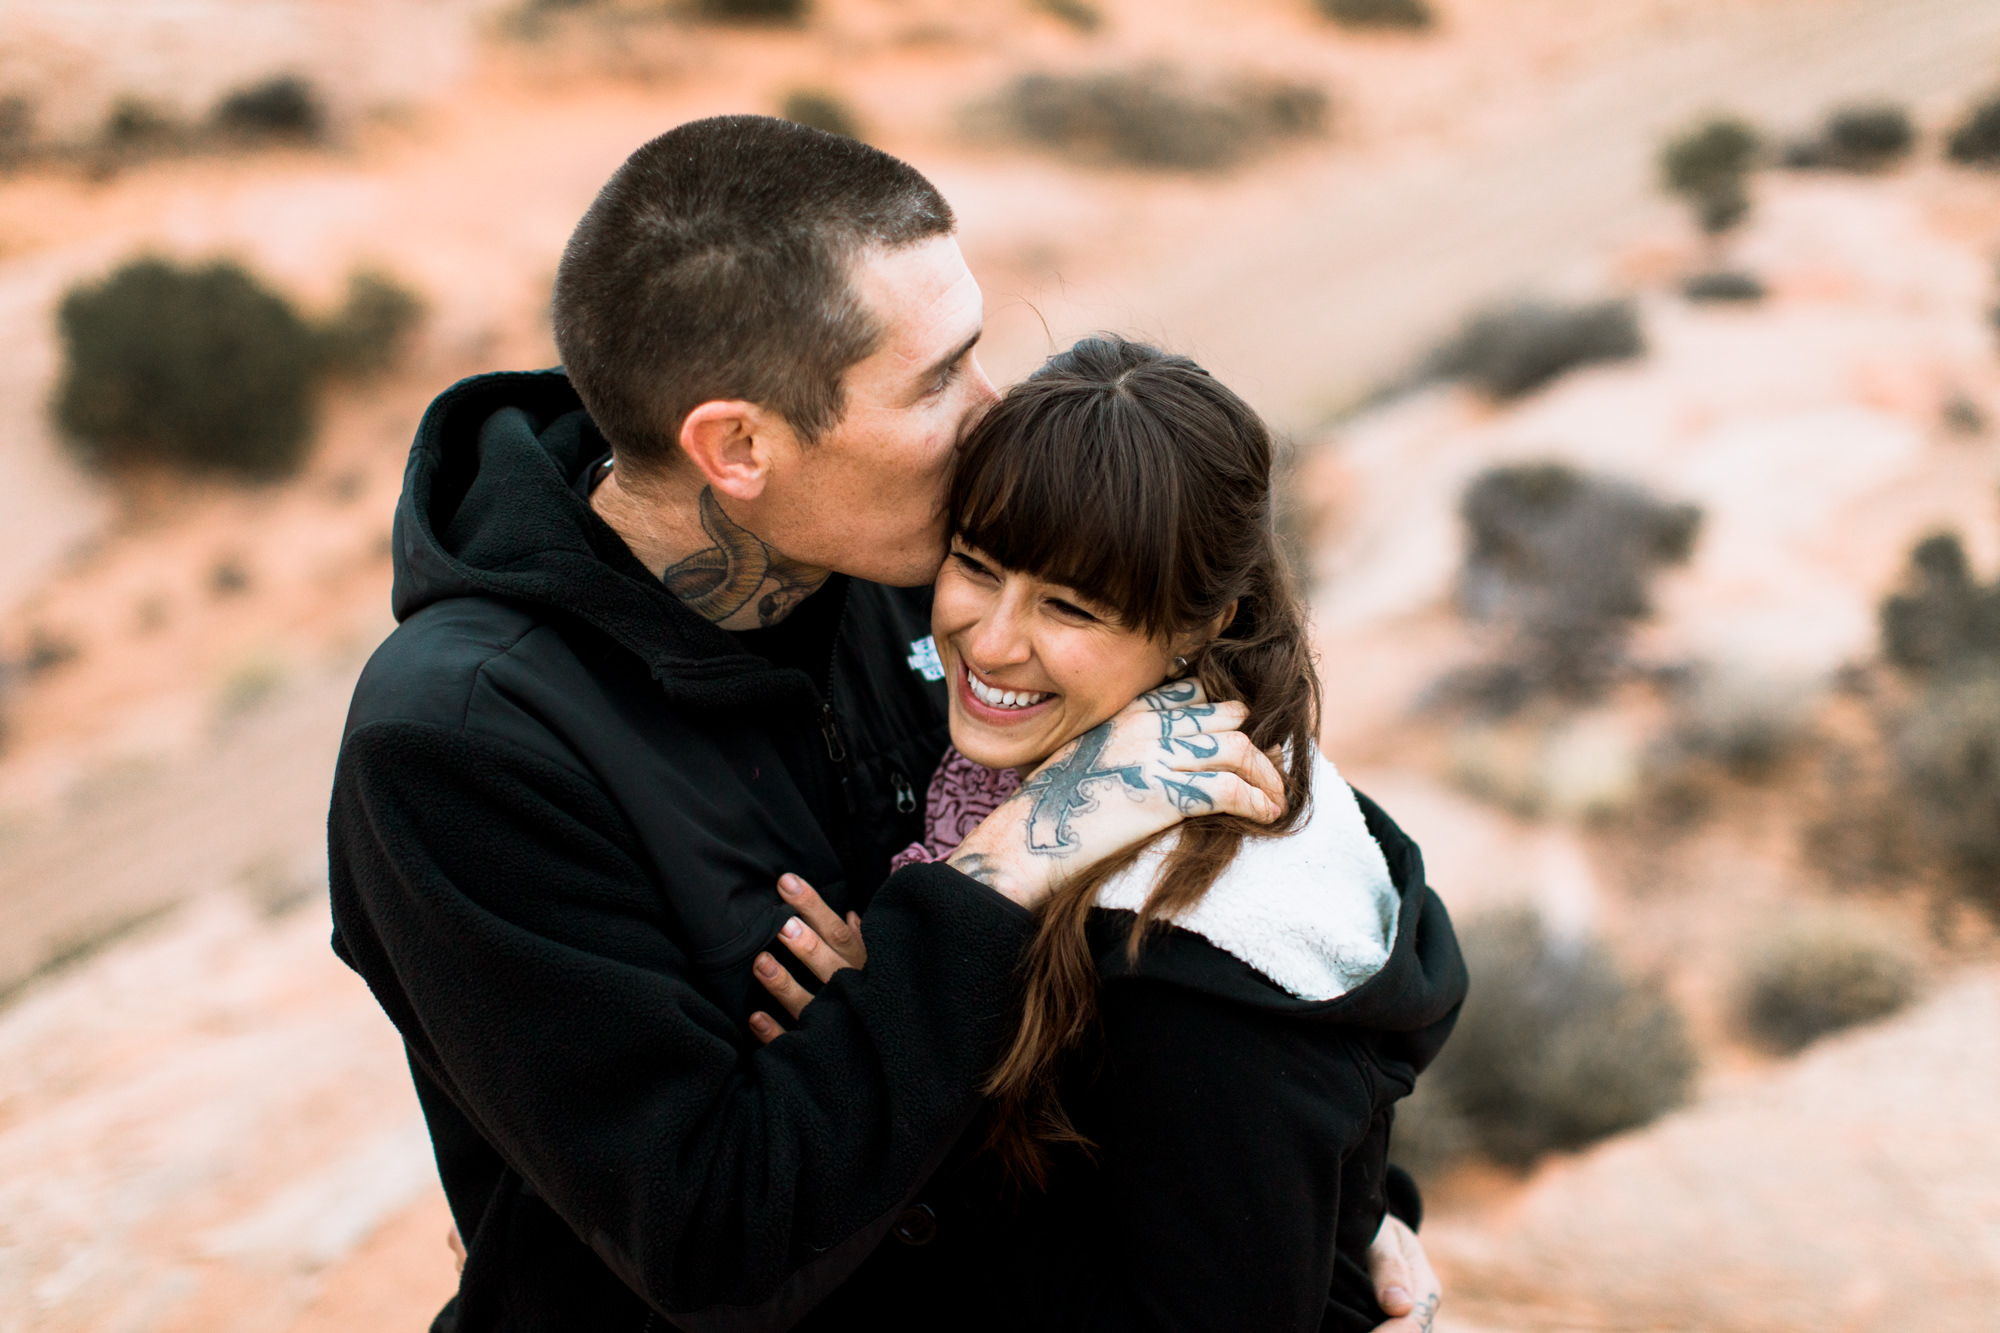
{"type": "Point", "coordinates": [984, 395]}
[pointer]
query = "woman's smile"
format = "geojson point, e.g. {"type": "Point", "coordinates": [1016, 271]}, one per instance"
{"type": "Point", "coordinates": [996, 705]}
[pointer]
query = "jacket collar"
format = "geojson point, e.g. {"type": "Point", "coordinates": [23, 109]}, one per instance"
{"type": "Point", "coordinates": [488, 510]}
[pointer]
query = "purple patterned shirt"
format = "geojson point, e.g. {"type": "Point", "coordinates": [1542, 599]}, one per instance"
{"type": "Point", "coordinates": [962, 794]}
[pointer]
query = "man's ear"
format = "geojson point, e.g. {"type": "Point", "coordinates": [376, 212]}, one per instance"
{"type": "Point", "coordinates": [730, 442]}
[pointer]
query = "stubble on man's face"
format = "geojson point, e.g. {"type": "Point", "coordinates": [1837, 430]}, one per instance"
{"type": "Point", "coordinates": [868, 495]}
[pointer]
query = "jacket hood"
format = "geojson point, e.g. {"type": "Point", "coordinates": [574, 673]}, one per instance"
{"type": "Point", "coordinates": [1334, 923]}
{"type": "Point", "coordinates": [1315, 911]}
{"type": "Point", "coordinates": [489, 509]}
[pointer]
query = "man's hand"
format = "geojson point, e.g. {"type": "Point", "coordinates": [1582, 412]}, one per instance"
{"type": "Point", "coordinates": [1405, 1286]}
{"type": "Point", "coordinates": [1169, 755]}
{"type": "Point", "coordinates": [819, 938]}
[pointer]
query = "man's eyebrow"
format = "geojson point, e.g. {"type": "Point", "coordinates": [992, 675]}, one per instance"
{"type": "Point", "coordinates": [937, 368]}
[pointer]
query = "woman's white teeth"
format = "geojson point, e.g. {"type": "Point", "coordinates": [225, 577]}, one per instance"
{"type": "Point", "coordinates": [993, 698]}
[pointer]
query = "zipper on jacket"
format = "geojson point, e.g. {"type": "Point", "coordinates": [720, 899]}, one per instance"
{"type": "Point", "coordinates": [835, 749]}
{"type": "Point", "coordinates": [906, 795]}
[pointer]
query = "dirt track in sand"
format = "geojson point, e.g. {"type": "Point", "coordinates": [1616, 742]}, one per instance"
{"type": "Point", "coordinates": [1316, 275]}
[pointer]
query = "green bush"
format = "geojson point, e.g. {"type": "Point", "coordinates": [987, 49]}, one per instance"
{"type": "Point", "coordinates": [202, 368]}
{"type": "Point", "coordinates": [1976, 141]}
{"type": "Point", "coordinates": [1556, 1047]}
{"type": "Point", "coordinates": [822, 111]}
{"type": "Point", "coordinates": [17, 130]}
{"type": "Point", "coordinates": [1410, 14]}
{"type": "Point", "coordinates": [1720, 285]}
{"type": "Point", "coordinates": [755, 11]}
{"type": "Point", "coordinates": [1943, 619]}
{"type": "Point", "coordinates": [1079, 14]}
{"type": "Point", "coordinates": [205, 368]}
{"type": "Point", "coordinates": [1566, 560]}
{"type": "Point", "coordinates": [1152, 117]}
{"type": "Point", "coordinates": [1818, 977]}
{"type": "Point", "coordinates": [1709, 166]}
{"type": "Point", "coordinates": [370, 333]}
{"type": "Point", "coordinates": [284, 108]}
{"type": "Point", "coordinates": [135, 128]}
{"type": "Point", "coordinates": [1948, 748]}
{"type": "Point", "coordinates": [1856, 138]}
{"type": "Point", "coordinates": [1510, 350]}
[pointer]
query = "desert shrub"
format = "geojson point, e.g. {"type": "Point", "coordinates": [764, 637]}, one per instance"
{"type": "Point", "coordinates": [1962, 415]}
{"type": "Point", "coordinates": [1512, 349]}
{"type": "Point", "coordinates": [1556, 1047]}
{"type": "Point", "coordinates": [1709, 166]}
{"type": "Point", "coordinates": [1856, 138]}
{"type": "Point", "coordinates": [1079, 14]}
{"type": "Point", "coordinates": [1744, 725]}
{"type": "Point", "coordinates": [203, 368]}
{"type": "Point", "coordinates": [1976, 140]}
{"type": "Point", "coordinates": [1948, 748]}
{"type": "Point", "coordinates": [284, 108]}
{"type": "Point", "coordinates": [370, 332]}
{"type": "Point", "coordinates": [1723, 285]}
{"type": "Point", "coordinates": [1565, 559]}
{"type": "Point", "coordinates": [822, 111]}
{"type": "Point", "coordinates": [17, 130]}
{"type": "Point", "coordinates": [135, 127]}
{"type": "Point", "coordinates": [1943, 619]}
{"type": "Point", "coordinates": [1411, 14]}
{"type": "Point", "coordinates": [1820, 976]}
{"type": "Point", "coordinates": [756, 11]}
{"type": "Point", "coordinates": [1153, 117]}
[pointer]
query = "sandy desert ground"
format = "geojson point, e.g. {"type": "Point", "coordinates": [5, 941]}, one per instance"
{"type": "Point", "coordinates": [204, 1121]}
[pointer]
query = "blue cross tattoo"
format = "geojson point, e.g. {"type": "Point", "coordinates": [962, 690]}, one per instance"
{"type": "Point", "coordinates": [1061, 789]}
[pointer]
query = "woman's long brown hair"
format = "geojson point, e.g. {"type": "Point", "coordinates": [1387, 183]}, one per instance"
{"type": "Point", "coordinates": [1137, 479]}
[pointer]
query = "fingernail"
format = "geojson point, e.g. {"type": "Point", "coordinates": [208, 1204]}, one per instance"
{"type": "Point", "coordinates": [766, 965]}
{"type": "Point", "coordinates": [790, 930]}
{"type": "Point", "coordinates": [789, 885]}
{"type": "Point", "coordinates": [1395, 1294]}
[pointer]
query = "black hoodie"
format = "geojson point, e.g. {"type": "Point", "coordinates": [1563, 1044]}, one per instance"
{"type": "Point", "coordinates": [560, 809]}
{"type": "Point", "coordinates": [1238, 1166]}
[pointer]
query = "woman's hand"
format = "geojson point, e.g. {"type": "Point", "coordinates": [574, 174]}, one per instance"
{"type": "Point", "coordinates": [820, 938]}
{"type": "Point", "coordinates": [1167, 756]}
{"type": "Point", "coordinates": [1405, 1287]}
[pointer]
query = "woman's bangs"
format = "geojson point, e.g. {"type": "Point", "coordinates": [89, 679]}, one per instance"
{"type": "Point", "coordinates": [1063, 495]}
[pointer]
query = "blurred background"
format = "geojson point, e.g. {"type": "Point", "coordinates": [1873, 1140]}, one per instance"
{"type": "Point", "coordinates": [1640, 366]}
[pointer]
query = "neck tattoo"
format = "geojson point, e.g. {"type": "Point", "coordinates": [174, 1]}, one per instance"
{"type": "Point", "coordinates": [720, 580]}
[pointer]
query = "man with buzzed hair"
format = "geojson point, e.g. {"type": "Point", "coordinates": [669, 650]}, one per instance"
{"type": "Point", "coordinates": [663, 638]}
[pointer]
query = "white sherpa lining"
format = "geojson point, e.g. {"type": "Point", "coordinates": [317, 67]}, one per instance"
{"type": "Point", "coordinates": [1314, 911]}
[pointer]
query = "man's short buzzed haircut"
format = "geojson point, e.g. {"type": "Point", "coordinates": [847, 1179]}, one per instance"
{"type": "Point", "coordinates": [716, 265]}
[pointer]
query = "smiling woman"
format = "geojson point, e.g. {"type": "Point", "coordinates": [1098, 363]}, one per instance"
{"type": "Point", "coordinates": [1193, 1113]}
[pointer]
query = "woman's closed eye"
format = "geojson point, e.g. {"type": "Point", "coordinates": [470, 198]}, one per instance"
{"type": "Point", "coordinates": [1071, 611]}
{"type": "Point", "coordinates": [969, 565]}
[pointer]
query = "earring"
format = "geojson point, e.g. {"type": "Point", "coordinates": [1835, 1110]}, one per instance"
{"type": "Point", "coordinates": [1180, 666]}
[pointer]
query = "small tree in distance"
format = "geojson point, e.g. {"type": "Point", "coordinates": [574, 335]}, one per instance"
{"type": "Point", "coordinates": [1409, 15]}
{"type": "Point", "coordinates": [1709, 166]}
{"type": "Point", "coordinates": [202, 368]}
{"type": "Point", "coordinates": [205, 368]}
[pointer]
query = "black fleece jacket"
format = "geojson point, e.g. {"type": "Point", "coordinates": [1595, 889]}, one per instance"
{"type": "Point", "coordinates": [560, 809]}
{"type": "Point", "coordinates": [1239, 1166]}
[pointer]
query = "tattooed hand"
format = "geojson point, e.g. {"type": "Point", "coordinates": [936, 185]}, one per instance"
{"type": "Point", "coordinates": [1405, 1286]}
{"type": "Point", "coordinates": [1169, 755]}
